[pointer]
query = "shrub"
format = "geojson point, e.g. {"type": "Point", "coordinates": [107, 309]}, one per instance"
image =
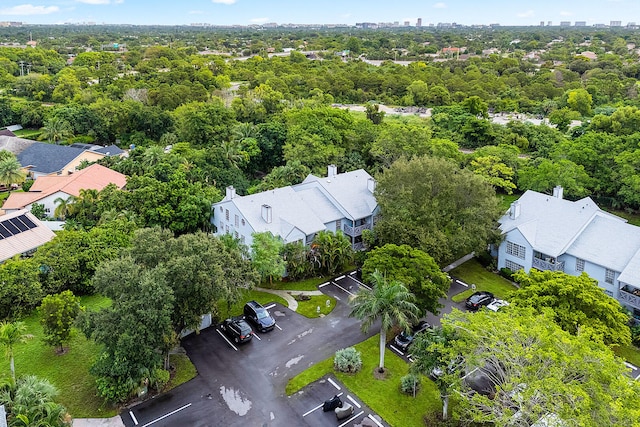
{"type": "Point", "coordinates": [635, 335]}
{"type": "Point", "coordinates": [506, 273]}
{"type": "Point", "coordinates": [410, 383]}
{"type": "Point", "coordinates": [348, 360]}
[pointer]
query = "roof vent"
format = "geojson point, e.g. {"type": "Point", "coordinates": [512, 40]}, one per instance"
{"type": "Point", "coordinates": [332, 170]}
{"type": "Point", "coordinates": [267, 213]}
{"type": "Point", "coordinates": [557, 191]}
{"type": "Point", "coordinates": [514, 211]}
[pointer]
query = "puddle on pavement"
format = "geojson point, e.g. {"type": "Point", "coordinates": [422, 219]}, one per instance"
{"type": "Point", "coordinates": [235, 401]}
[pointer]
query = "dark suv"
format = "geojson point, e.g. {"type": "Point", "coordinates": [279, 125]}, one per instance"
{"type": "Point", "coordinates": [479, 299]}
{"type": "Point", "coordinates": [237, 329]}
{"type": "Point", "coordinates": [259, 316]}
{"type": "Point", "coordinates": [403, 340]}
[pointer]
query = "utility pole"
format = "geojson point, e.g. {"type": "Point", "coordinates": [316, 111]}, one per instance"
{"type": "Point", "coordinates": [21, 68]}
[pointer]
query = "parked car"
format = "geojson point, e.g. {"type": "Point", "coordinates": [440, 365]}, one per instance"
{"type": "Point", "coordinates": [479, 299]}
{"type": "Point", "coordinates": [237, 329]}
{"type": "Point", "coordinates": [259, 316]}
{"type": "Point", "coordinates": [496, 304]}
{"type": "Point", "coordinates": [403, 340]}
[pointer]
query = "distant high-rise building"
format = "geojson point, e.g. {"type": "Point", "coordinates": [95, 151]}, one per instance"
{"type": "Point", "coordinates": [542, 23]}
{"type": "Point", "coordinates": [615, 24]}
{"type": "Point", "coordinates": [565, 23]}
{"type": "Point", "coordinates": [407, 23]}
{"type": "Point", "coordinates": [581, 23]}
{"type": "Point", "coordinates": [419, 23]}
{"type": "Point", "coordinates": [549, 23]}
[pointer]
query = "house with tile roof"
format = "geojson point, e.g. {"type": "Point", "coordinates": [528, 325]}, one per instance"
{"type": "Point", "coordinates": [21, 233]}
{"type": "Point", "coordinates": [547, 232]}
{"type": "Point", "coordinates": [297, 213]}
{"type": "Point", "coordinates": [46, 189]}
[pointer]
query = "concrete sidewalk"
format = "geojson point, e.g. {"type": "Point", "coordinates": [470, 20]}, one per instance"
{"type": "Point", "coordinates": [289, 295]}
{"type": "Point", "coordinates": [98, 422]}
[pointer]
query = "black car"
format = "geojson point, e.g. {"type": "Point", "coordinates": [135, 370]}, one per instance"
{"type": "Point", "coordinates": [403, 340]}
{"type": "Point", "coordinates": [479, 299]}
{"type": "Point", "coordinates": [259, 316]}
{"type": "Point", "coordinates": [237, 329]}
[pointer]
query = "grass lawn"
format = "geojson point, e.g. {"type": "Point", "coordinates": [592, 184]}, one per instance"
{"type": "Point", "coordinates": [28, 133]}
{"type": "Point", "coordinates": [185, 370]}
{"type": "Point", "coordinates": [310, 284]}
{"type": "Point", "coordinates": [507, 199]}
{"type": "Point", "coordinates": [68, 372]}
{"type": "Point", "coordinates": [630, 353]}
{"type": "Point", "coordinates": [471, 272]}
{"type": "Point", "coordinates": [309, 308]}
{"type": "Point", "coordinates": [382, 396]}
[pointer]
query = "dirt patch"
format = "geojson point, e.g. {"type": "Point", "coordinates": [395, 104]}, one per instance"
{"type": "Point", "coordinates": [380, 375]}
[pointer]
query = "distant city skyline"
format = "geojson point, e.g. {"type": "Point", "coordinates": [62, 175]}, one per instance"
{"type": "Point", "coordinates": [248, 12]}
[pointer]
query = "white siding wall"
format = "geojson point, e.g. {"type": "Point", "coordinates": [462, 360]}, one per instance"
{"type": "Point", "coordinates": [219, 217]}
{"type": "Point", "coordinates": [516, 237]}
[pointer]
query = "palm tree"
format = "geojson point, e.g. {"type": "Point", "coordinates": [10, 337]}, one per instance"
{"type": "Point", "coordinates": [11, 171]}
{"type": "Point", "coordinates": [389, 301]}
{"type": "Point", "coordinates": [30, 402]}
{"type": "Point", "coordinates": [63, 207]}
{"type": "Point", "coordinates": [56, 129]}
{"type": "Point", "coordinates": [12, 333]}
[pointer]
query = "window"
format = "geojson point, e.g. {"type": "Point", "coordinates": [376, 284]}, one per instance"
{"type": "Point", "coordinates": [513, 266]}
{"type": "Point", "coordinates": [226, 229]}
{"type": "Point", "coordinates": [221, 209]}
{"type": "Point", "coordinates": [235, 234]}
{"type": "Point", "coordinates": [608, 292]}
{"type": "Point", "coordinates": [579, 264]}
{"type": "Point", "coordinates": [242, 221]}
{"type": "Point", "coordinates": [242, 238]}
{"type": "Point", "coordinates": [237, 221]}
{"type": "Point", "coordinates": [609, 275]}
{"type": "Point", "coordinates": [226, 214]}
{"type": "Point", "coordinates": [516, 250]}
{"type": "Point", "coordinates": [338, 224]}
{"type": "Point", "coordinates": [221, 225]}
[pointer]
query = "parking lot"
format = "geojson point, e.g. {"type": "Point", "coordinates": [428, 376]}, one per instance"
{"type": "Point", "coordinates": [243, 384]}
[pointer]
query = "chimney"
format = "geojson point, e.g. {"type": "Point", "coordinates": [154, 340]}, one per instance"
{"type": "Point", "coordinates": [371, 184]}
{"type": "Point", "coordinates": [514, 211]}
{"type": "Point", "coordinates": [266, 213]}
{"type": "Point", "coordinates": [332, 170]}
{"type": "Point", "coordinates": [230, 193]}
{"type": "Point", "coordinates": [557, 192]}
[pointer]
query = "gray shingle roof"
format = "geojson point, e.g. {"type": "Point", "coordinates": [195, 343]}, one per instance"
{"type": "Point", "coordinates": [47, 158]}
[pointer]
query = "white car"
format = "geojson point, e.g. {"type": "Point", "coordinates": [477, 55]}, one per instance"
{"type": "Point", "coordinates": [496, 304]}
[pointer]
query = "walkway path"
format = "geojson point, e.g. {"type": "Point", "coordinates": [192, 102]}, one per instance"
{"type": "Point", "coordinates": [457, 263]}
{"type": "Point", "coordinates": [98, 422]}
{"type": "Point", "coordinates": [289, 295]}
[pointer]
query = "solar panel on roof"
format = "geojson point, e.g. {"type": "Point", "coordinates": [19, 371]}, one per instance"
{"type": "Point", "coordinates": [12, 228]}
{"type": "Point", "coordinates": [27, 221]}
{"type": "Point", "coordinates": [4, 232]}
{"type": "Point", "coordinates": [19, 224]}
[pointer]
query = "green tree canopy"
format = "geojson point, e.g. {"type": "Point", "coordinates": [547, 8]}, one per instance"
{"type": "Point", "coordinates": [578, 304]}
{"type": "Point", "coordinates": [433, 205]}
{"type": "Point", "coordinates": [266, 255]}
{"type": "Point", "coordinates": [413, 267]}
{"type": "Point", "coordinates": [57, 315]}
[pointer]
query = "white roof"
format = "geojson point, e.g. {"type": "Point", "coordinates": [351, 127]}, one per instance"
{"type": "Point", "coordinates": [551, 224]}
{"type": "Point", "coordinates": [607, 242]}
{"type": "Point", "coordinates": [349, 190]}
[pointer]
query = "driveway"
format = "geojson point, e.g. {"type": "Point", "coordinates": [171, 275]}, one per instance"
{"type": "Point", "coordinates": [244, 385]}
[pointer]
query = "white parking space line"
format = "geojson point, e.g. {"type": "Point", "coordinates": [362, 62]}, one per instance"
{"type": "Point", "coordinates": [334, 384]}
{"type": "Point", "coordinates": [410, 359]}
{"type": "Point", "coordinates": [340, 278]}
{"type": "Point", "coordinates": [167, 415]}
{"type": "Point", "coordinates": [637, 377]}
{"type": "Point", "coordinates": [324, 284]}
{"type": "Point", "coordinates": [396, 350]}
{"type": "Point", "coordinates": [460, 282]}
{"type": "Point", "coordinates": [354, 401]}
{"type": "Point", "coordinates": [256, 335]}
{"type": "Point", "coordinates": [630, 366]}
{"type": "Point", "coordinates": [270, 306]}
{"type": "Point", "coordinates": [351, 419]}
{"type": "Point", "coordinates": [317, 407]}
{"type": "Point", "coordinates": [372, 418]}
{"type": "Point", "coordinates": [133, 417]}
{"type": "Point", "coordinates": [278, 326]}
{"type": "Point", "coordinates": [360, 283]}
{"type": "Point", "coordinates": [225, 338]}
{"type": "Point", "coordinates": [343, 289]}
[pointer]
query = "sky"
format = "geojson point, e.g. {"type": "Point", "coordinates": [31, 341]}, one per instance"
{"type": "Point", "coordinates": [247, 12]}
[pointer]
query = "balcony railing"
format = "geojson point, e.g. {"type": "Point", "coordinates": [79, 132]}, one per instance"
{"type": "Point", "coordinates": [358, 246]}
{"type": "Point", "coordinates": [629, 299]}
{"type": "Point", "coordinates": [355, 231]}
{"type": "Point", "coordinates": [541, 264]}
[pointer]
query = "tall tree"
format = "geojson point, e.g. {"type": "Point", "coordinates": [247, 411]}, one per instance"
{"type": "Point", "coordinates": [579, 305]}
{"type": "Point", "coordinates": [413, 267]}
{"type": "Point", "coordinates": [29, 401]}
{"type": "Point", "coordinates": [388, 301]}
{"type": "Point", "coordinates": [58, 313]}
{"type": "Point", "coordinates": [266, 255]}
{"type": "Point", "coordinates": [333, 250]}
{"type": "Point", "coordinates": [63, 207]}
{"type": "Point", "coordinates": [11, 171]}
{"type": "Point", "coordinates": [56, 129]}
{"type": "Point", "coordinates": [433, 205]}
{"type": "Point", "coordinates": [12, 333]}
{"type": "Point", "coordinates": [518, 365]}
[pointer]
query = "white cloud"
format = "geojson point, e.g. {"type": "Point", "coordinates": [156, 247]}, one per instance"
{"type": "Point", "coordinates": [259, 20]}
{"type": "Point", "coordinates": [528, 14]}
{"type": "Point", "coordinates": [29, 9]}
{"type": "Point", "coordinates": [94, 1]}
{"type": "Point", "coordinates": [440, 5]}
{"type": "Point", "coordinates": [224, 1]}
